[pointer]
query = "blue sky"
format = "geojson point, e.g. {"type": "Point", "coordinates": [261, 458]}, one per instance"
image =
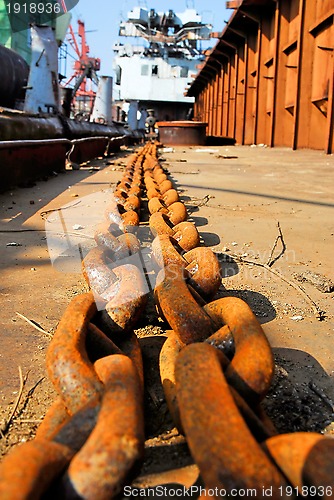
{"type": "Point", "coordinates": [105, 15]}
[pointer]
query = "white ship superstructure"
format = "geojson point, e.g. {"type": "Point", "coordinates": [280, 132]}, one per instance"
{"type": "Point", "coordinates": [156, 73]}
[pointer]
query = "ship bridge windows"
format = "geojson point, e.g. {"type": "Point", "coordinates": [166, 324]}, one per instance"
{"type": "Point", "coordinates": [183, 72]}
{"type": "Point", "coordinates": [144, 70]}
{"type": "Point", "coordinates": [118, 74]}
{"type": "Point", "coordinates": [179, 71]}
{"type": "Point", "coordinates": [147, 69]}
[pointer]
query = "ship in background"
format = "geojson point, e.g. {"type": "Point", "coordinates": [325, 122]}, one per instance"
{"type": "Point", "coordinates": [153, 73]}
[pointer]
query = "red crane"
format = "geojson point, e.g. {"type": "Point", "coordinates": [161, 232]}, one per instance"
{"type": "Point", "coordinates": [85, 68]}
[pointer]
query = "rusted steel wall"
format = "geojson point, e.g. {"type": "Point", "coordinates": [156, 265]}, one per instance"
{"type": "Point", "coordinates": [269, 79]}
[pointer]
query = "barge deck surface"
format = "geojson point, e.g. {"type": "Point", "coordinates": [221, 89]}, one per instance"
{"type": "Point", "coordinates": [236, 196]}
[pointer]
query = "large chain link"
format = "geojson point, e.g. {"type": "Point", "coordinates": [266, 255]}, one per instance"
{"type": "Point", "coordinates": [216, 366]}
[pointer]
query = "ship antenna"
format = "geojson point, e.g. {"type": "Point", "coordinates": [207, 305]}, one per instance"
{"type": "Point", "coordinates": [142, 3]}
{"type": "Point", "coordinates": [190, 4]}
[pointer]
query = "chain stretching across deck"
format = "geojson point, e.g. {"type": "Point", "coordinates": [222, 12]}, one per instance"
{"type": "Point", "coordinates": [216, 366]}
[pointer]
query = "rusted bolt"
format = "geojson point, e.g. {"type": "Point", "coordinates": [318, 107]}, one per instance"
{"type": "Point", "coordinates": [159, 224]}
{"type": "Point", "coordinates": [177, 213]}
{"type": "Point", "coordinates": [125, 183]}
{"type": "Point", "coordinates": [132, 203]}
{"type": "Point", "coordinates": [130, 220]}
{"type": "Point", "coordinates": [165, 252]}
{"type": "Point", "coordinates": [201, 264]}
{"type": "Point", "coordinates": [204, 269]}
{"type": "Point", "coordinates": [186, 235]}
{"type": "Point", "coordinates": [120, 195]}
{"type": "Point", "coordinates": [155, 205]}
{"type": "Point", "coordinates": [169, 197]}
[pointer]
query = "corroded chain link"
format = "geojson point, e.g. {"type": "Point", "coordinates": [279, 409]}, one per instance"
{"type": "Point", "coordinates": [215, 366]}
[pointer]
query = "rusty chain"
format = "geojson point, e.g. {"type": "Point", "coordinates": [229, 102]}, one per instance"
{"type": "Point", "coordinates": [216, 366]}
